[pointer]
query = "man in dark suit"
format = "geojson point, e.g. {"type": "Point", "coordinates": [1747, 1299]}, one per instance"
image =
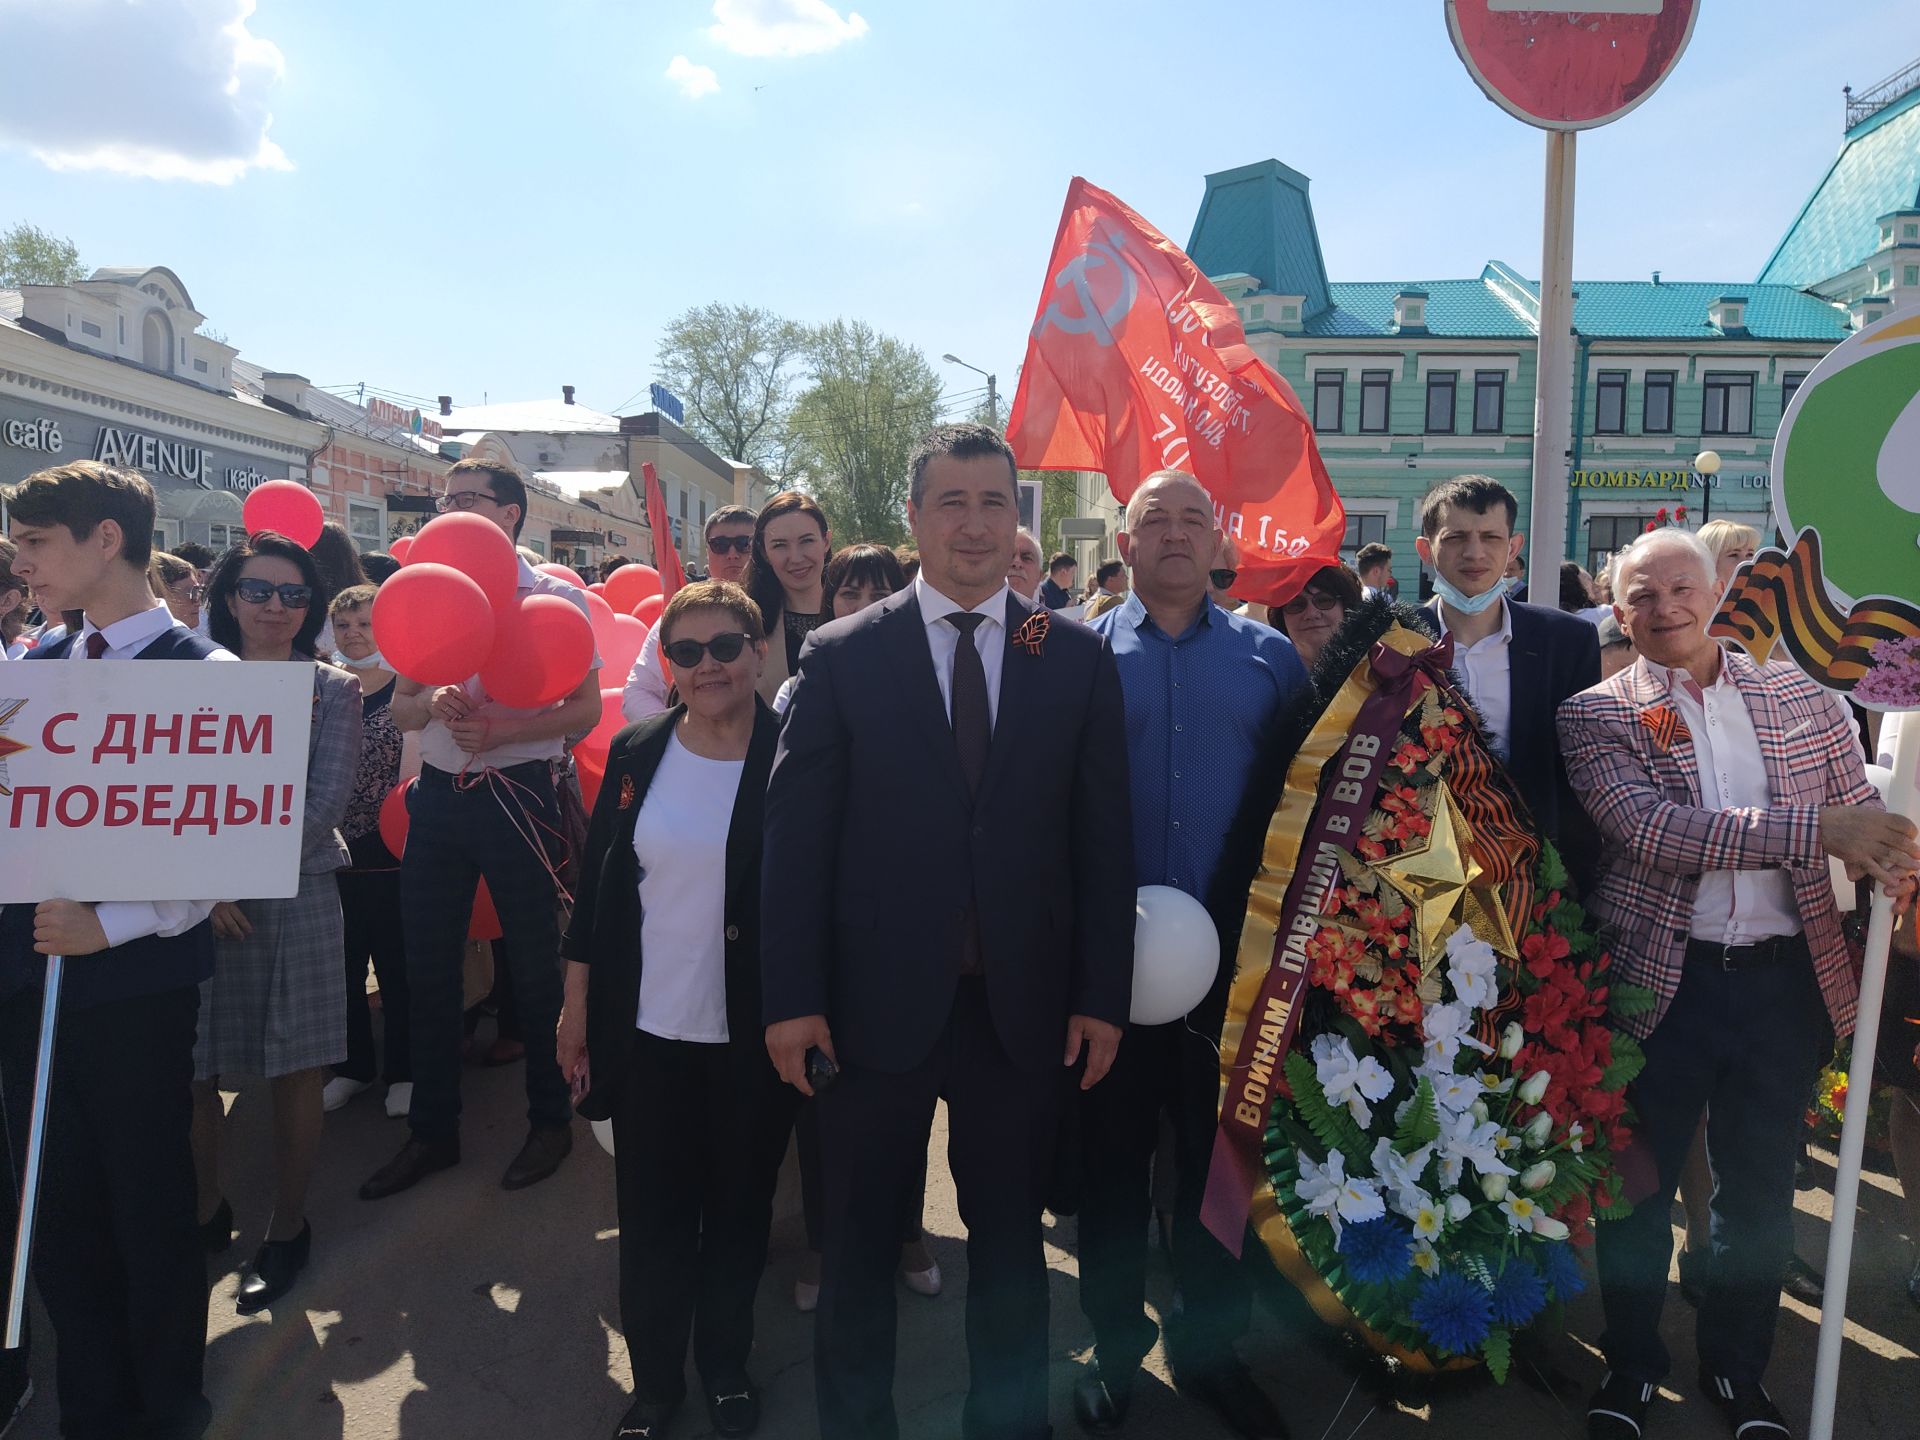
{"type": "Point", "coordinates": [949, 904]}
{"type": "Point", "coordinates": [1516, 662]}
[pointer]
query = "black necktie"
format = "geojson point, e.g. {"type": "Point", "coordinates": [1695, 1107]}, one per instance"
{"type": "Point", "coordinates": [972, 732]}
{"type": "Point", "coordinates": [972, 717]}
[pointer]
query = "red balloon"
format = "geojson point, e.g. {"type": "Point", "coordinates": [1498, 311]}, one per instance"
{"type": "Point", "coordinates": [542, 652]}
{"type": "Point", "coordinates": [561, 572]}
{"type": "Point", "coordinates": [286, 507]}
{"type": "Point", "coordinates": [618, 655]}
{"type": "Point", "coordinates": [590, 755]}
{"type": "Point", "coordinates": [478, 549]}
{"type": "Point", "coordinates": [598, 587]}
{"type": "Point", "coordinates": [396, 818]}
{"type": "Point", "coordinates": [485, 921]}
{"type": "Point", "coordinates": [601, 614]}
{"type": "Point", "coordinates": [433, 624]}
{"type": "Point", "coordinates": [649, 609]}
{"type": "Point", "coordinates": [630, 584]}
{"type": "Point", "coordinates": [398, 550]}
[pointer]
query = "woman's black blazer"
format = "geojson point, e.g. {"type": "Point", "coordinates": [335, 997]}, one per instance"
{"type": "Point", "coordinates": [605, 931]}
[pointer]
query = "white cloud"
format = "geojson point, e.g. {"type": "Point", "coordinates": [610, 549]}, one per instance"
{"type": "Point", "coordinates": [783, 27]}
{"type": "Point", "coordinates": [168, 89]}
{"type": "Point", "coordinates": [693, 80]}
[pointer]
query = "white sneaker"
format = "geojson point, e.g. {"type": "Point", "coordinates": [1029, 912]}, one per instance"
{"type": "Point", "coordinates": [923, 1282]}
{"type": "Point", "coordinates": [400, 1099]}
{"type": "Point", "coordinates": [340, 1090]}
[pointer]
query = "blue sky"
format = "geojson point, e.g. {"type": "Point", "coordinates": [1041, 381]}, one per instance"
{"type": "Point", "coordinates": [498, 200]}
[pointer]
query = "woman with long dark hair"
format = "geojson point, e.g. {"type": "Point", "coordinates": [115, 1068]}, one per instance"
{"type": "Point", "coordinates": [856, 577]}
{"type": "Point", "coordinates": [276, 1006]}
{"type": "Point", "coordinates": [340, 569]}
{"type": "Point", "coordinates": [787, 579]}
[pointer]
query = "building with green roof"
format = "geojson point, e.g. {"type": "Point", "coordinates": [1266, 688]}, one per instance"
{"type": "Point", "coordinates": [1411, 381]}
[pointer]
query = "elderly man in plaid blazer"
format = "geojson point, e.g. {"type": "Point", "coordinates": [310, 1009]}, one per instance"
{"type": "Point", "coordinates": [1719, 789]}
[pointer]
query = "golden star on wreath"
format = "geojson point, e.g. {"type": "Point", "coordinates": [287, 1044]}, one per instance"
{"type": "Point", "coordinates": [1440, 881]}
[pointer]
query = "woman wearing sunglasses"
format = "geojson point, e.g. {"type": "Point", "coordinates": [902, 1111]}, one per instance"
{"type": "Point", "coordinates": [276, 1006]}
{"type": "Point", "coordinates": [1312, 616]}
{"type": "Point", "coordinates": [662, 1027]}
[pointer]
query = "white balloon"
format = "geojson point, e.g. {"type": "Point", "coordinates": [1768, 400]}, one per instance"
{"type": "Point", "coordinates": [1176, 954]}
{"type": "Point", "coordinates": [603, 1132]}
{"type": "Point", "coordinates": [1843, 892]}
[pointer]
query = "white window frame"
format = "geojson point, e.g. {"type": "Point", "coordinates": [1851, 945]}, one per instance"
{"type": "Point", "coordinates": [378, 509]}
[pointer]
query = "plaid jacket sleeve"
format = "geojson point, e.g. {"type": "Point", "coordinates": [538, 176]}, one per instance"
{"type": "Point", "coordinates": [1610, 765]}
{"type": "Point", "coordinates": [333, 760]}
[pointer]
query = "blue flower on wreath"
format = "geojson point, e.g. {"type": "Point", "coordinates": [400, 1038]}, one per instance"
{"type": "Point", "coordinates": [1377, 1252]}
{"type": "Point", "coordinates": [1454, 1311]}
{"type": "Point", "coordinates": [1564, 1276]}
{"type": "Point", "coordinates": [1518, 1293]}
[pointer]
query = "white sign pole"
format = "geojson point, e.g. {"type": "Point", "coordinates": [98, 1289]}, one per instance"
{"type": "Point", "coordinates": [1904, 800]}
{"type": "Point", "coordinates": [36, 1153]}
{"type": "Point", "coordinates": [1553, 374]}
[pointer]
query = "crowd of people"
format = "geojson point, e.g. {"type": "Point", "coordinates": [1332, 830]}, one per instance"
{"type": "Point", "coordinates": [1051, 751]}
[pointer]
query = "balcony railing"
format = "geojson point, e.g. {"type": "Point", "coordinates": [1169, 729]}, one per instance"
{"type": "Point", "coordinates": [1875, 98]}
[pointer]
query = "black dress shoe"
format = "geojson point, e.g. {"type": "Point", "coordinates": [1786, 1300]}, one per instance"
{"type": "Point", "coordinates": [216, 1235]}
{"type": "Point", "coordinates": [1618, 1410]}
{"type": "Point", "coordinates": [1693, 1275]}
{"type": "Point", "coordinates": [1749, 1410]}
{"type": "Point", "coordinates": [417, 1160]}
{"type": "Point", "coordinates": [734, 1407]}
{"type": "Point", "coordinates": [1230, 1392]}
{"type": "Point", "coordinates": [1804, 1283]}
{"type": "Point", "coordinates": [646, 1419]}
{"type": "Point", "coordinates": [276, 1265]}
{"type": "Point", "coordinates": [546, 1147]}
{"type": "Point", "coordinates": [1100, 1399]}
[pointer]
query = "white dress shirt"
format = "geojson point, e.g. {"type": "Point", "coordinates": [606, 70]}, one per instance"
{"type": "Point", "coordinates": [124, 920]}
{"type": "Point", "coordinates": [646, 688]}
{"type": "Point", "coordinates": [439, 749]}
{"type": "Point", "coordinates": [1731, 907]}
{"type": "Point", "coordinates": [989, 638]}
{"type": "Point", "coordinates": [1486, 667]}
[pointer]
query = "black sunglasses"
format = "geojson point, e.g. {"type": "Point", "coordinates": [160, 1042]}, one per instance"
{"type": "Point", "coordinates": [685, 654]}
{"type": "Point", "coordinates": [730, 544]}
{"type": "Point", "coordinates": [1223, 579]}
{"type": "Point", "coordinates": [258, 592]}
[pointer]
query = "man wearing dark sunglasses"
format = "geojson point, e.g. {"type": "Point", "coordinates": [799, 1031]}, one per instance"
{"type": "Point", "coordinates": [729, 546]}
{"type": "Point", "coordinates": [485, 806]}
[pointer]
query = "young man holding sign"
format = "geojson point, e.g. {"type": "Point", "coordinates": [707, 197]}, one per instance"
{"type": "Point", "coordinates": [119, 1259]}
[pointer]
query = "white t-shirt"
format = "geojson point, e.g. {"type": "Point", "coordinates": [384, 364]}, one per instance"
{"type": "Point", "coordinates": [680, 840]}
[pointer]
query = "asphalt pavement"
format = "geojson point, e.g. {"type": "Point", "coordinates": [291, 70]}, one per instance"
{"type": "Point", "coordinates": [460, 1310]}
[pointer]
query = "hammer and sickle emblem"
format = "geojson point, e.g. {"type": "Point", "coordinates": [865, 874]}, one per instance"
{"type": "Point", "coordinates": [1086, 317]}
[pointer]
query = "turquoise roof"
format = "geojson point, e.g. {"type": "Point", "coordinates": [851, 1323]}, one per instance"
{"type": "Point", "coordinates": [1877, 171]}
{"type": "Point", "coordinates": [1503, 304]}
{"type": "Point", "coordinates": [1257, 220]}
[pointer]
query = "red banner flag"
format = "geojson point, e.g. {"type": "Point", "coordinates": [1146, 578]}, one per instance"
{"type": "Point", "coordinates": [1137, 363]}
{"type": "Point", "coordinates": [666, 555]}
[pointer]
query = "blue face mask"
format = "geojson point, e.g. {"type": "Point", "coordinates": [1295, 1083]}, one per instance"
{"type": "Point", "coordinates": [1470, 604]}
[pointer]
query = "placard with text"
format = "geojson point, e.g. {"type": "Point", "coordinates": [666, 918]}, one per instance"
{"type": "Point", "coordinates": [169, 780]}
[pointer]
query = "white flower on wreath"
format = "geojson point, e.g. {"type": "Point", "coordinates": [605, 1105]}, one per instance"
{"type": "Point", "coordinates": [1348, 1080]}
{"type": "Point", "coordinates": [1452, 1093]}
{"type": "Point", "coordinates": [1577, 1137]}
{"type": "Point", "coordinates": [1522, 1212]}
{"type": "Point", "coordinates": [1330, 1192]}
{"type": "Point", "coordinates": [1428, 1223]}
{"type": "Point", "coordinates": [1399, 1177]}
{"type": "Point", "coordinates": [1463, 1139]}
{"type": "Point", "coordinates": [1472, 970]}
{"type": "Point", "coordinates": [1424, 1257]}
{"type": "Point", "coordinates": [1446, 1028]}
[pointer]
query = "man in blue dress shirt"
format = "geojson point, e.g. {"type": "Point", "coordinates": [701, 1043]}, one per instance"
{"type": "Point", "coordinates": [1203, 690]}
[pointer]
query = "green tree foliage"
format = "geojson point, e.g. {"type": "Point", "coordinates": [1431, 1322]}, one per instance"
{"type": "Point", "coordinates": [871, 397]}
{"type": "Point", "coordinates": [31, 256]}
{"type": "Point", "coordinates": [737, 367]}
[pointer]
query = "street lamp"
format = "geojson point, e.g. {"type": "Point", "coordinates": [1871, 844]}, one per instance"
{"type": "Point", "coordinates": [993, 394]}
{"type": "Point", "coordinates": [1707, 465]}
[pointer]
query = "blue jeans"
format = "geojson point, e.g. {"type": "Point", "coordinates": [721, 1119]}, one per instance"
{"type": "Point", "coordinates": [1744, 1046]}
{"type": "Point", "coordinates": [456, 837]}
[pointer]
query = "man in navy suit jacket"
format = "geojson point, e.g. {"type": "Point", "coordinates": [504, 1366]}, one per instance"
{"type": "Point", "coordinates": [948, 901]}
{"type": "Point", "coordinates": [1517, 662]}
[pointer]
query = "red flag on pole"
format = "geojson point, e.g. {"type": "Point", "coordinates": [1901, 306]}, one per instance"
{"type": "Point", "coordinates": [1137, 363]}
{"type": "Point", "coordinates": [666, 555]}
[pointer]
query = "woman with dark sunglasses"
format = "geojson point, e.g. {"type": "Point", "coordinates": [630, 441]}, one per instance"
{"type": "Point", "coordinates": [276, 1006]}
{"type": "Point", "coordinates": [662, 1027]}
{"type": "Point", "coordinates": [1311, 617]}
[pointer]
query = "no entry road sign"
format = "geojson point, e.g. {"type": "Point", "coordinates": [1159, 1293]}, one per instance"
{"type": "Point", "coordinates": [1569, 66]}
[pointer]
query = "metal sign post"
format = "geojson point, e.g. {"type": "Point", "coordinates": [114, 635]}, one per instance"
{"type": "Point", "coordinates": [36, 1152]}
{"type": "Point", "coordinates": [1553, 376]}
